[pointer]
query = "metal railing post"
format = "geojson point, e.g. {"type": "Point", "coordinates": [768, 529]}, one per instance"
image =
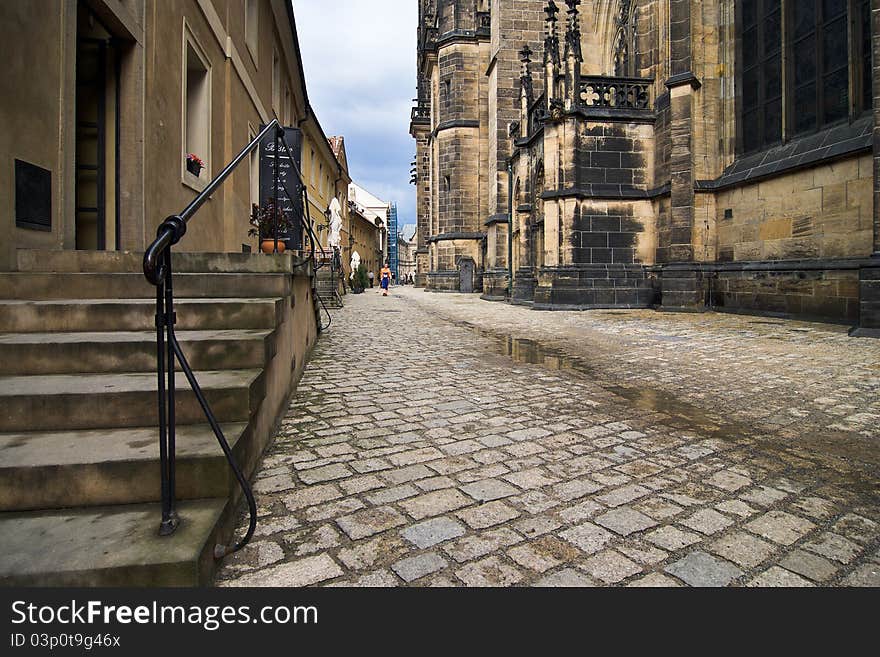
{"type": "Point", "coordinates": [166, 526]}
{"type": "Point", "coordinates": [277, 163]}
{"type": "Point", "coordinates": [167, 398]}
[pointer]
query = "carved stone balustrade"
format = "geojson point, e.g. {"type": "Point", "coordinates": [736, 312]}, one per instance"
{"type": "Point", "coordinates": [613, 93]}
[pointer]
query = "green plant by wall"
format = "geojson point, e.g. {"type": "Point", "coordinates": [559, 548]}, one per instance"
{"type": "Point", "coordinates": [361, 279]}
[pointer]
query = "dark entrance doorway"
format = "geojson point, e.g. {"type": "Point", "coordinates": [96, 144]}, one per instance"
{"type": "Point", "coordinates": [97, 135]}
{"type": "Point", "coordinates": [466, 275]}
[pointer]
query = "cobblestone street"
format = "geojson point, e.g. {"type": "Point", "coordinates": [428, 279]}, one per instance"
{"type": "Point", "coordinates": [441, 440]}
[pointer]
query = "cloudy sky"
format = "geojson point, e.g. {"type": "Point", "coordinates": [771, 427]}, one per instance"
{"type": "Point", "coordinates": [359, 58]}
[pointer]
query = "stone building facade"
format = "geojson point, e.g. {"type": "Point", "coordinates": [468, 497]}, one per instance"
{"type": "Point", "coordinates": [123, 92]}
{"type": "Point", "coordinates": [103, 101]}
{"type": "Point", "coordinates": [658, 153]}
{"type": "Point", "coordinates": [369, 228]}
{"type": "Point", "coordinates": [406, 249]}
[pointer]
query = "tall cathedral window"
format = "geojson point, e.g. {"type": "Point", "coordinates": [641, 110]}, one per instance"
{"type": "Point", "coordinates": [804, 65]}
{"type": "Point", "coordinates": [761, 65]}
{"type": "Point", "coordinates": [624, 41]}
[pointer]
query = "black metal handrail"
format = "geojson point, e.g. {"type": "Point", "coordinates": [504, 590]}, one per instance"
{"type": "Point", "coordinates": [158, 270]}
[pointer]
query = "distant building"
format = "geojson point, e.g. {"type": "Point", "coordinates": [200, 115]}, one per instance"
{"type": "Point", "coordinates": [375, 210]}
{"type": "Point", "coordinates": [326, 169]}
{"type": "Point", "coordinates": [368, 228]}
{"type": "Point", "coordinates": [406, 253]}
{"type": "Point", "coordinates": [337, 145]}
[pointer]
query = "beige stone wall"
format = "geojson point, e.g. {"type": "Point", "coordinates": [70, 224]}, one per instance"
{"type": "Point", "coordinates": [449, 251]}
{"type": "Point", "coordinates": [167, 188]}
{"type": "Point", "coordinates": [41, 128]}
{"type": "Point", "coordinates": [462, 149]}
{"type": "Point", "coordinates": [516, 23]}
{"type": "Point", "coordinates": [366, 242]}
{"type": "Point", "coordinates": [31, 130]}
{"type": "Point", "coordinates": [496, 246]}
{"type": "Point", "coordinates": [825, 212]}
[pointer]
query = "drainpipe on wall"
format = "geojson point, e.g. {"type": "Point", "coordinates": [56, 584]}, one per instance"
{"type": "Point", "coordinates": [510, 229]}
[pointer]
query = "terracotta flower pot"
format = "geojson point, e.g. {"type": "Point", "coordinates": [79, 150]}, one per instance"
{"type": "Point", "coordinates": [268, 246]}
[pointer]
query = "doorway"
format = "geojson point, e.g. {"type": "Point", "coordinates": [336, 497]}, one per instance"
{"type": "Point", "coordinates": [466, 275]}
{"type": "Point", "coordinates": [96, 161]}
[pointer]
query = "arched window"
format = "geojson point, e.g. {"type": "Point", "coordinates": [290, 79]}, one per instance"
{"type": "Point", "coordinates": [625, 40]}
{"type": "Point", "coordinates": [827, 45]}
{"type": "Point", "coordinates": [538, 185]}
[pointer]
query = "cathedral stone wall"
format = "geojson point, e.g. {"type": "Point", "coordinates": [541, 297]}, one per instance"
{"type": "Point", "coordinates": [822, 212]}
{"type": "Point", "coordinates": [612, 156]}
{"type": "Point", "coordinates": [636, 174]}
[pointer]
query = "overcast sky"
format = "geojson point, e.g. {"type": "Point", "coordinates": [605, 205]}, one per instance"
{"type": "Point", "coordinates": [359, 58]}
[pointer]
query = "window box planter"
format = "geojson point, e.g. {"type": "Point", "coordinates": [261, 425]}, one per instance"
{"type": "Point", "coordinates": [194, 165]}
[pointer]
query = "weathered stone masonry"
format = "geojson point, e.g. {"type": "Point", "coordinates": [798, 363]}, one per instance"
{"type": "Point", "coordinates": [636, 178]}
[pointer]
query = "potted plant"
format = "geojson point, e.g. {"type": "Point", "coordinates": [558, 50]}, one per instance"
{"type": "Point", "coordinates": [264, 221]}
{"type": "Point", "coordinates": [360, 280]}
{"type": "Point", "coordinates": [194, 164]}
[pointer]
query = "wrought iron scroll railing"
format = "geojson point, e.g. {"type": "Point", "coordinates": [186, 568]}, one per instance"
{"type": "Point", "coordinates": [614, 93]}
{"type": "Point", "coordinates": [158, 270]}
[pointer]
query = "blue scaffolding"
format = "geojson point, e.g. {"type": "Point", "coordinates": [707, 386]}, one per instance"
{"type": "Point", "coordinates": [393, 259]}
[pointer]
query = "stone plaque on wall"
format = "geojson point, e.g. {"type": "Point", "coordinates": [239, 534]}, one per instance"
{"type": "Point", "coordinates": [33, 196]}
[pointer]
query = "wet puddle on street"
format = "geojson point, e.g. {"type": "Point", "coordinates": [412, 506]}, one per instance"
{"type": "Point", "coordinates": [854, 450]}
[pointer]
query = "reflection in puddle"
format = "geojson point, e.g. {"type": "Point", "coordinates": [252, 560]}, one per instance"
{"type": "Point", "coordinates": [532, 353]}
{"type": "Point", "coordinates": [851, 448]}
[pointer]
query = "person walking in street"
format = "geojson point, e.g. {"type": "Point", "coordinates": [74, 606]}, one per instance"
{"type": "Point", "coordinates": [371, 276]}
{"type": "Point", "coordinates": [385, 279]}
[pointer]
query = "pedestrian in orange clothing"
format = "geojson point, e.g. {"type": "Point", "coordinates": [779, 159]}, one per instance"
{"type": "Point", "coordinates": [385, 278]}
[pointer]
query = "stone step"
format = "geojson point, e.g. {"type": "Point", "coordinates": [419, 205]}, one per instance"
{"type": "Point", "coordinates": [42, 286]}
{"type": "Point", "coordinates": [17, 316]}
{"type": "Point", "coordinates": [128, 351]}
{"type": "Point", "coordinates": [34, 260]}
{"type": "Point", "coordinates": [101, 401]}
{"type": "Point", "coordinates": [51, 470]}
{"type": "Point", "coordinates": [109, 546]}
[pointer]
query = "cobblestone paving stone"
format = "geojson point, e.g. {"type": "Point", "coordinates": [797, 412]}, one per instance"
{"type": "Point", "coordinates": [442, 440]}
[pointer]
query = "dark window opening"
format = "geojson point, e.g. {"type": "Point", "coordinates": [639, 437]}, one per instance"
{"type": "Point", "coordinates": [761, 73]}
{"type": "Point", "coordinates": [828, 77]}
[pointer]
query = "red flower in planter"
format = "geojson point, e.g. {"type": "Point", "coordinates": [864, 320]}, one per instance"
{"type": "Point", "coordinates": [194, 164]}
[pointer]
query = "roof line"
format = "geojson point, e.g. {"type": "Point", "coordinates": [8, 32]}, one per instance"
{"type": "Point", "coordinates": [302, 73]}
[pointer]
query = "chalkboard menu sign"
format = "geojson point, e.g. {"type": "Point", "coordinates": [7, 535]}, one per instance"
{"type": "Point", "coordinates": [289, 185]}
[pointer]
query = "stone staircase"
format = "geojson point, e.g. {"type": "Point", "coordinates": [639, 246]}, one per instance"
{"type": "Point", "coordinates": [79, 474]}
{"type": "Point", "coordinates": [329, 287]}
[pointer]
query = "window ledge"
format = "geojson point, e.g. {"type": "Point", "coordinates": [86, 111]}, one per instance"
{"type": "Point", "coordinates": [195, 184]}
